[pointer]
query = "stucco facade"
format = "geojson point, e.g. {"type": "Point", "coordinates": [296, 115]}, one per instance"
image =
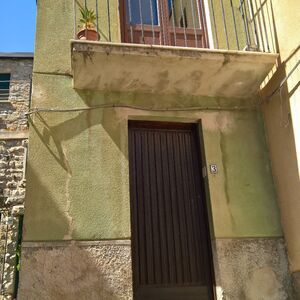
{"type": "Point", "coordinates": [281, 113]}
{"type": "Point", "coordinates": [77, 220]}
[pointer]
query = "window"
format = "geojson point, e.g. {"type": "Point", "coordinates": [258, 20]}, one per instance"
{"type": "Point", "coordinates": [164, 22]}
{"type": "Point", "coordinates": [4, 86]}
{"type": "Point", "coordinates": [142, 12]}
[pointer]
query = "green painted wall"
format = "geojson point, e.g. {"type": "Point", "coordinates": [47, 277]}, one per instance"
{"type": "Point", "coordinates": [218, 23]}
{"type": "Point", "coordinates": [77, 175]}
{"type": "Point", "coordinates": [282, 115]}
{"type": "Point", "coordinates": [56, 27]}
{"type": "Point", "coordinates": [79, 163]}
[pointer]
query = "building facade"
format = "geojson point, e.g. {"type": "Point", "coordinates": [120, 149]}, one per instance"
{"type": "Point", "coordinates": [149, 174]}
{"type": "Point", "coordinates": [15, 89]}
{"type": "Point", "coordinates": [280, 106]}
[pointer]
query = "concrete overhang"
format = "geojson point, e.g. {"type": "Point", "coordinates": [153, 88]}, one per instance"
{"type": "Point", "coordinates": [168, 70]}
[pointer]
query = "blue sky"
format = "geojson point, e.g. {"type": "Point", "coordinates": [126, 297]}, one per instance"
{"type": "Point", "coordinates": [17, 25]}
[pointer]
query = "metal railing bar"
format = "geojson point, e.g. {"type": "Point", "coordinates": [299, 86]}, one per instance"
{"type": "Point", "coordinates": [184, 23]}
{"type": "Point", "coordinates": [234, 24]}
{"type": "Point", "coordinates": [265, 27]}
{"type": "Point", "coordinates": [260, 27]}
{"type": "Point", "coordinates": [130, 20]}
{"type": "Point", "coordinates": [162, 25]}
{"type": "Point", "coordinates": [74, 20]}
{"type": "Point", "coordinates": [271, 29]}
{"type": "Point", "coordinates": [215, 26]}
{"type": "Point", "coordinates": [256, 40]}
{"type": "Point", "coordinates": [199, 14]}
{"type": "Point", "coordinates": [241, 8]}
{"type": "Point", "coordinates": [202, 22]}
{"type": "Point", "coordinates": [161, 34]}
{"type": "Point", "coordinates": [141, 19]}
{"type": "Point", "coordinates": [224, 22]}
{"type": "Point", "coordinates": [173, 20]}
{"type": "Point", "coordinates": [97, 16]}
{"type": "Point", "coordinates": [108, 20]}
{"type": "Point", "coordinates": [194, 23]}
{"type": "Point", "coordinates": [152, 22]}
{"type": "Point", "coordinates": [247, 22]}
{"type": "Point", "coordinates": [85, 6]}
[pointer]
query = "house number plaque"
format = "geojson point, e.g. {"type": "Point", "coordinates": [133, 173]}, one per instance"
{"type": "Point", "coordinates": [213, 168]}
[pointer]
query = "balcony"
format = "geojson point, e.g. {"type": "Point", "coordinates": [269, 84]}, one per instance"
{"type": "Point", "coordinates": [192, 47]}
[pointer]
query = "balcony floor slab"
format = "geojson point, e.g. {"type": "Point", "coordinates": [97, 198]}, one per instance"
{"type": "Point", "coordinates": [117, 67]}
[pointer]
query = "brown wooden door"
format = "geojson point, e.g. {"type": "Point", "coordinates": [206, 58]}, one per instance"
{"type": "Point", "coordinates": [170, 241]}
{"type": "Point", "coordinates": [164, 22]}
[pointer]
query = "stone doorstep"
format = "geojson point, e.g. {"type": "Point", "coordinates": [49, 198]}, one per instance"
{"type": "Point", "coordinates": [17, 135]}
{"type": "Point", "coordinates": [43, 244]}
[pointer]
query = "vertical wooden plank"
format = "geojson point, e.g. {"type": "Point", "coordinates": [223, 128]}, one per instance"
{"type": "Point", "coordinates": [195, 222]}
{"type": "Point", "coordinates": [147, 207]}
{"type": "Point", "coordinates": [155, 211]}
{"type": "Point", "coordinates": [174, 209]}
{"type": "Point", "coordinates": [189, 197]}
{"type": "Point", "coordinates": [162, 210]}
{"type": "Point", "coordinates": [181, 208]}
{"type": "Point", "coordinates": [168, 207]}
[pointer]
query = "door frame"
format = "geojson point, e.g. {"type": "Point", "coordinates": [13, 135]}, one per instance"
{"type": "Point", "coordinates": [204, 187]}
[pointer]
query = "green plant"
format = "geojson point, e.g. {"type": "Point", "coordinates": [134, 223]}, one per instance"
{"type": "Point", "coordinates": [88, 18]}
{"type": "Point", "coordinates": [18, 257]}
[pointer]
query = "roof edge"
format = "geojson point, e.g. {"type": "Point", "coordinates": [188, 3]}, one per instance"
{"type": "Point", "coordinates": [16, 55]}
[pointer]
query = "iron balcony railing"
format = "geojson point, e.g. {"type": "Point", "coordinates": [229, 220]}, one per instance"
{"type": "Point", "coordinates": [216, 24]}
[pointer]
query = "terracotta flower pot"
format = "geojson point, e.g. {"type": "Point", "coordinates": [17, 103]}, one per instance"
{"type": "Point", "coordinates": [88, 34]}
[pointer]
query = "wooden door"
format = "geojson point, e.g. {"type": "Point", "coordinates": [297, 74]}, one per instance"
{"type": "Point", "coordinates": [170, 240]}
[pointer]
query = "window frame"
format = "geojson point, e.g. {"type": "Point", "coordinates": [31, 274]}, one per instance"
{"type": "Point", "coordinates": [4, 91]}
{"type": "Point", "coordinates": [163, 33]}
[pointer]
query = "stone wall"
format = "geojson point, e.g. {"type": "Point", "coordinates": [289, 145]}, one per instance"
{"type": "Point", "coordinates": [12, 172]}
{"type": "Point", "coordinates": [13, 151]}
{"type": "Point", "coordinates": [91, 270]}
{"type": "Point", "coordinates": [252, 269]}
{"type": "Point", "coordinates": [12, 112]}
{"type": "Point", "coordinates": [245, 269]}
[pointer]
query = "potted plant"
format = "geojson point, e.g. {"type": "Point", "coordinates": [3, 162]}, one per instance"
{"type": "Point", "coordinates": [88, 31]}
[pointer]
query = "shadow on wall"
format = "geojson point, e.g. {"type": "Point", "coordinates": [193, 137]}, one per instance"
{"type": "Point", "coordinates": [72, 272]}
{"type": "Point", "coordinates": [280, 74]}
{"type": "Point", "coordinates": [74, 126]}
{"type": "Point", "coordinates": [276, 94]}
{"type": "Point", "coordinates": [54, 221]}
{"type": "Point", "coordinates": [67, 271]}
